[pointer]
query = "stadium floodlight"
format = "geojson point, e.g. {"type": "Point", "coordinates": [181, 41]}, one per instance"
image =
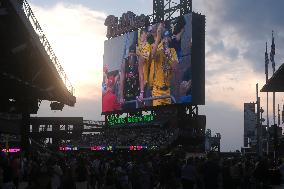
{"type": "Point", "coordinates": [56, 106]}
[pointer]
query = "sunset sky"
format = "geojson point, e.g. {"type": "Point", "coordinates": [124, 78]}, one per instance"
{"type": "Point", "coordinates": [236, 32]}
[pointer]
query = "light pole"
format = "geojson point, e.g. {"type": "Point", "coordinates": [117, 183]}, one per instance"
{"type": "Point", "coordinates": [261, 129]}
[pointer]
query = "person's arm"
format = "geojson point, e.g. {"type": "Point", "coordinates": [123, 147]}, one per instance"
{"type": "Point", "coordinates": [186, 83]}
{"type": "Point", "coordinates": [141, 62]}
{"type": "Point", "coordinates": [178, 35]}
{"type": "Point", "coordinates": [122, 78]}
{"type": "Point", "coordinates": [174, 59]}
{"type": "Point", "coordinates": [184, 87]}
{"type": "Point", "coordinates": [157, 40]}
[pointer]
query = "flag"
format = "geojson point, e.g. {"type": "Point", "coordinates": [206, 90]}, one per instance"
{"type": "Point", "coordinates": [272, 53]}
{"type": "Point", "coordinates": [266, 61]}
{"type": "Point", "coordinates": [272, 46]}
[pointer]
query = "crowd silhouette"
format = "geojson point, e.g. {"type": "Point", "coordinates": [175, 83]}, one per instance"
{"type": "Point", "coordinates": [137, 170]}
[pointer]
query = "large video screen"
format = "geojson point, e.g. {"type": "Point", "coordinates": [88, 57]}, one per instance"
{"type": "Point", "coordinates": [149, 67]}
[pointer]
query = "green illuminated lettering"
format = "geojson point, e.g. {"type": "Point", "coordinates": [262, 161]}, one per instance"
{"type": "Point", "coordinates": [111, 120]}
{"type": "Point", "coordinates": [144, 117]}
{"type": "Point", "coordinates": [132, 119]}
{"type": "Point", "coordinates": [147, 118]}
{"type": "Point", "coordinates": [151, 117]}
{"type": "Point", "coordinates": [129, 119]}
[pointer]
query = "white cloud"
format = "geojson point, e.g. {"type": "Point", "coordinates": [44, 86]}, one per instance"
{"type": "Point", "coordinates": [76, 33]}
{"type": "Point", "coordinates": [231, 80]}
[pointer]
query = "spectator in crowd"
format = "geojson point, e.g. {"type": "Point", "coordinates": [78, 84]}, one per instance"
{"type": "Point", "coordinates": [110, 101]}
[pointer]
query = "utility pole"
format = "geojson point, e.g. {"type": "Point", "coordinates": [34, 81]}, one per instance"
{"type": "Point", "coordinates": [261, 127]}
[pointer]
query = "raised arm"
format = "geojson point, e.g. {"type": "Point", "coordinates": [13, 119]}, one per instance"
{"type": "Point", "coordinates": [178, 35]}
{"type": "Point", "coordinates": [122, 78]}
{"type": "Point", "coordinates": [141, 62]}
{"type": "Point", "coordinates": [157, 40]}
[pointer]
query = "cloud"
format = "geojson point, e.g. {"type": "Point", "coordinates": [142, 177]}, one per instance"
{"type": "Point", "coordinates": [76, 34]}
{"type": "Point", "coordinates": [245, 25]}
{"type": "Point", "coordinates": [236, 32]}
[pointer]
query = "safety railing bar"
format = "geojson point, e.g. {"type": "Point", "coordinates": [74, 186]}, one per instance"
{"type": "Point", "coordinates": [44, 41]}
{"type": "Point", "coordinates": [150, 98]}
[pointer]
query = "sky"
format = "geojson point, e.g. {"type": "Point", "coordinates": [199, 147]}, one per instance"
{"type": "Point", "coordinates": [236, 32]}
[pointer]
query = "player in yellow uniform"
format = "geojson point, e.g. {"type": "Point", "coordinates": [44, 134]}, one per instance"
{"type": "Point", "coordinates": [162, 69]}
{"type": "Point", "coordinates": [144, 57]}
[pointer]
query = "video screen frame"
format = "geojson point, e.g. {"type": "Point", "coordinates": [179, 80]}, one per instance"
{"type": "Point", "coordinates": [129, 62]}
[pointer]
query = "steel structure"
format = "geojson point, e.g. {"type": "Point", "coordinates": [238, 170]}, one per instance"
{"type": "Point", "coordinates": [56, 130]}
{"type": "Point", "coordinates": [29, 69]}
{"type": "Point", "coordinates": [164, 10]}
{"type": "Point", "coordinates": [183, 116]}
{"type": "Point", "coordinates": [212, 143]}
{"type": "Point", "coordinates": [45, 43]}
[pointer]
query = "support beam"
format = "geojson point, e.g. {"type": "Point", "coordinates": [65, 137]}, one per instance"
{"type": "Point", "coordinates": [158, 11]}
{"type": "Point", "coordinates": [25, 127]}
{"type": "Point", "coordinates": [19, 48]}
{"type": "Point", "coordinates": [3, 12]}
{"type": "Point", "coordinates": [37, 74]}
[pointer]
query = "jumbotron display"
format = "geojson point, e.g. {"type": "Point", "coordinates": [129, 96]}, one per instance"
{"type": "Point", "coordinates": [149, 67]}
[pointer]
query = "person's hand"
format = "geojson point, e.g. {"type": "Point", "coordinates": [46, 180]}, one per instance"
{"type": "Point", "coordinates": [168, 52]}
{"type": "Point", "coordinates": [122, 101]}
{"type": "Point", "coordinates": [137, 51]}
{"type": "Point", "coordinates": [188, 86]}
{"type": "Point", "coordinates": [160, 30]}
{"type": "Point", "coordinates": [141, 96]}
{"type": "Point", "coordinates": [160, 27]}
{"type": "Point", "coordinates": [184, 86]}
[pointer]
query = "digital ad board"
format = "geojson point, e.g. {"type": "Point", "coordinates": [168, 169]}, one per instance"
{"type": "Point", "coordinates": [150, 67]}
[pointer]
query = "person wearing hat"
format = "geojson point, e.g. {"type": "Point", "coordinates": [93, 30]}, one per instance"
{"type": "Point", "coordinates": [104, 83]}
{"type": "Point", "coordinates": [162, 69]}
{"type": "Point", "coordinates": [109, 101]}
{"type": "Point", "coordinates": [129, 79]}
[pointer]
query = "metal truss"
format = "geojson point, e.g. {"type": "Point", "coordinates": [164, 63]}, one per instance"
{"type": "Point", "coordinates": [45, 43]}
{"type": "Point", "coordinates": [164, 10]}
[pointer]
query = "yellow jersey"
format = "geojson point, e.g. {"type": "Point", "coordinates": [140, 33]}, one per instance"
{"type": "Point", "coordinates": [145, 52]}
{"type": "Point", "coordinates": [158, 77]}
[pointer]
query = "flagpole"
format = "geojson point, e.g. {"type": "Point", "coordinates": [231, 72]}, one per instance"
{"type": "Point", "coordinates": [274, 121]}
{"type": "Point", "coordinates": [272, 54]}
{"type": "Point", "coordinates": [273, 68]}
{"type": "Point", "coordinates": [278, 115]}
{"type": "Point", "coordinates": [267, 118]}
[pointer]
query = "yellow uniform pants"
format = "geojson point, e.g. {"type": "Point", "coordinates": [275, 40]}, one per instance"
{"type": "Point", "coordinates": [158, 92]}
